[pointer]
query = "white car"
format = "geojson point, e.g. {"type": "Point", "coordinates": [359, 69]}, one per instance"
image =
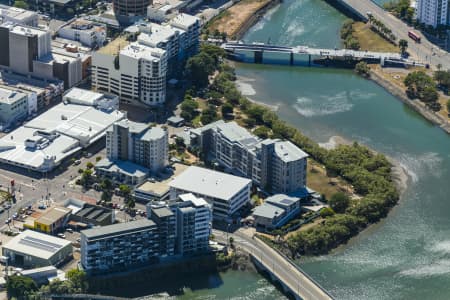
{"type": "Point", "coordinates": [61, 235]}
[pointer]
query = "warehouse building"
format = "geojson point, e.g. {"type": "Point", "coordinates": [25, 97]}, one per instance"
{"type": "Point", "coordinates": [31, 249]}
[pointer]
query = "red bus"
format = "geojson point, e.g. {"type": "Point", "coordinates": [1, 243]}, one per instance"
{"type": "Point", "coordinates": [414, 36]}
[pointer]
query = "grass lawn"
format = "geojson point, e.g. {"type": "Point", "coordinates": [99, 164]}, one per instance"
{"type": "Point", "coordinates": [370, 40]}
{"type": "Point", "coordinates": [318, 180]}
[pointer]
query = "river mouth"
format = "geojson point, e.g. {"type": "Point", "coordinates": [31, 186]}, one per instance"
{"type": "Point", "coordinates": [407, 255]}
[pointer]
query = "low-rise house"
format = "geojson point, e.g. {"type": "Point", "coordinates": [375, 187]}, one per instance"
{"type": "Point", "coordinates": [276, 211]}
{"type": "Point", "coordinates": [52, 221]}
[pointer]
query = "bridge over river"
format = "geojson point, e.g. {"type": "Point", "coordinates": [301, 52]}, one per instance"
{"type": "Point", "coordinates": [280, 269]}
{"type": "Point", "coordinates": [346, 54]}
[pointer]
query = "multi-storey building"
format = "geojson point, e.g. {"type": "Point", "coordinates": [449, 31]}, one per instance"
{"type": "Point", "coordinates": [13, 107]}
{"type": "Point", "coordinates": [86, 32]}
{"type": "Point", "coordinates": [165, 220]}
{"type": "Point", "coordinates": [276, 165]}
{"type": "Point", "coordinates": [433, 12]}
{"type": "Point", "coordinates": [184, 224]}
{"type": "Point", "coordinates": [194, 218]}
{"type": "Point", "coordinates": [138, 143]}
{"type": "Point", "coordinates": [28, 51]}
{"type": "Point", "coordinates": [225, 193]}
{"type": "Point", "coordinates": [120, 246]}
{"type": "Point", "coordinates": [131, 8]}
{"type": "Point", "coordinates": [137, 73]}
{"type": "Point", "coordinates": [18, 16]}
{"type": "Point", "coordinates": [191, 26]}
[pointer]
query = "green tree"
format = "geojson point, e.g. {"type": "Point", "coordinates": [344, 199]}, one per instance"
{"type": "Point", "coordinates": [403, 45]}
{"type": "Point", "coordinates": [262, 132]}
{"type": "Point", "coordinates": [362, 69]}
{"type": "Point", "coordinates": [21, 4]}
{"type": "Point", "coordinates": [209, 115]}
{"type": "Point", "coordinates": [78, 279]}
{"type": "Point", "coordinates": [227, 109]}
{"type": "Point", "coordinates": [339, 202]}
{"type": "Point", "coordinates": [89, 165]}
{"type": "Point", "coordinates": [20, 286]}
{"type": "Point", "coordinates": [198, 68]}
{"type": "Point", "coordinates": [326, 212]}
{"type": "Point", "coordinates": [189, 108]}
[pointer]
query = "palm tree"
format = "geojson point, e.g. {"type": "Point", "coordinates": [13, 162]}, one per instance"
{"type": "Point", "coordinates": [403, 45]}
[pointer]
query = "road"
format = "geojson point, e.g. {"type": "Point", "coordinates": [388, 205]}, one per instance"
{"type": "Point", "coordinates": [277, 264]}
{"type": "Point", "coordinates": [425, 52]}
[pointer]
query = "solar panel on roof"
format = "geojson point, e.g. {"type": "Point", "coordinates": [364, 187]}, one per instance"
{"type": "Point", "coordinates": [286, 201]}
{"type": "Point", "coordinates": [42, 241]}
{"type": "Point", "coordinates": [38, 245]}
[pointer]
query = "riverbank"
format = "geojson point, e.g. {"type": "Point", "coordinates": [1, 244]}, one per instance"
{"type": "Point", "coordinates": [376, 75]}
{"type": "Point", "coordinates": [237, 19]}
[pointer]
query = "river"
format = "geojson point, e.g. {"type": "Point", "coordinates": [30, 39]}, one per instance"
{"type": "Point", "coordinates": [407, 256]}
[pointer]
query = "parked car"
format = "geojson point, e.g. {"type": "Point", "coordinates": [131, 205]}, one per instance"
{"type": "Point", "coordinates": [63, 236]}
{"type": "Point", "coordinates": [70, 230]}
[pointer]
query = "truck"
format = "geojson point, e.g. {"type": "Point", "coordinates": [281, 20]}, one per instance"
{"type": "Point", "coordinates": [414, 36]}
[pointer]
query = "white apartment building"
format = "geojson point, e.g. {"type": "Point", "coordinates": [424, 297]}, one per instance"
{"type": "Point", "coordinates": [433, 12]}
{"type": "Point", "coordinates": [276, 165]}
{"type": "Point", "coordinates": [226, 193]}
{"type": "Point", "coordinates": [191, 25]}
{"type": "Point", "coordinates": [88, 33]}
{"type": "Point", "coordinates": [137, 74]}
{"type": "Point", "coordinates": [119, 247]}
{"type": "Point", "coordinates": [184, 224]}
{"type": "Point", "coordinates": [138, 143]}
{"type": "Point", "coordinates": [194, 219]}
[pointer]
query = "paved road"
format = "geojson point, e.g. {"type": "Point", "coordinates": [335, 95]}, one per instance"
{"type": "Point", "coordinates": [289, 274]}
{"type": "Point", "coordinates": [423, 51]}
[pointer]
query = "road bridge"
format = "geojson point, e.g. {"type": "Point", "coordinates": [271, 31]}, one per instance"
{"type": "Point", "coordinates": [280, 269]}
{"type": "Point", "coordinates": [259, 48]}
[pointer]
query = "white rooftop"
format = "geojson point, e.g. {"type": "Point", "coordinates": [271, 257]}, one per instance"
{"type": "Point", "coordinates": [137, 50]}
{"type": "Point", "coordinates": [196, 201]}
{"type": "Point", "coordinates": [209, 183]}
{"type": "Point", "coordinates": [57, 133]}
{"type": "Point", "coordinates": [184, 20]}
{"type": "Point", "coordinates": [288, 152]}
{"type": "Point", "coordinates": [24, 30]}
{"type": "Point", "coordinates": [36, 244]}
{"type": "Point", "coordinates": [154, 34]}
{"type": "Point", "coordinates": [9, 96]}
{"type": "Point", "coordinates": [82, 96]}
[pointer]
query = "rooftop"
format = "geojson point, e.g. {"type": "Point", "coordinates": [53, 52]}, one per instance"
{"type": "Point", "coordinates": [196, 201]}
{"type": "Point", "coordinates": [133, 127]}
{"type": "Point", "coordinates": [118, 229]}
{"type": "Point", "coordinates": [139, 51]}
{"type": "Point", "coordinates": [162, 212]}
{"type": "Point", "coordinates": [115, 46]}
{"type": "Point", "coordinates": [53, 215]}
{"type": "Point", "coordinates": [267, 210]}
{"type": "Point", "coordinates": [288, 152]}
{"type": "Point", "coordinates": [209, 183]}
{"type": "Point", "coordinates": [64, 129]}
{"type": "Point", "coordinates": [153, 133]}
{"type": "Point", "coordinates": [9, 96]}
{"type": "Point", "coordinates": [281, 200]}
{"type": "Point", "coordinates": [16, 13]}
{"type": "Point", "coordinates": [184, 20]}
{"type": "Point", "coordinates": [36, 244]}
{"type": "Point", "coordinates": [82, 96]}
{"type": "Point", "coordinates": [125, 167]}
